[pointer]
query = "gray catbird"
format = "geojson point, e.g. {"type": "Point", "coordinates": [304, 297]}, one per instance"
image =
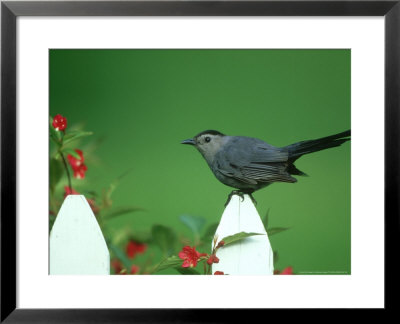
{"type": "Point", "coordinates": [249, 164]}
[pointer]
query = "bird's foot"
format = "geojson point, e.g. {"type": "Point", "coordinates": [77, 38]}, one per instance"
{"type": "Point", "coordinates": [241, 195]}
{"type": "Point", "coordinates": [234, 192]}
{"type": "Point", "coordinates": [252, 199]}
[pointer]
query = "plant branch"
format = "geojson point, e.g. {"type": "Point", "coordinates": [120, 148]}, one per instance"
{"type": "Point", "coordinates": [66, 169]}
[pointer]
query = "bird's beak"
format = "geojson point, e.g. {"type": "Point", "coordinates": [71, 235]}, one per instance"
{"type": "Point", "coordinates": [189, 141]}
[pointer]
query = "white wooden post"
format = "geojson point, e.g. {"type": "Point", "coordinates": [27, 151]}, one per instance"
{"type": "Point", "coordinates": [250, 256]}
{"type": "Point", "coordinates": [77, 245]}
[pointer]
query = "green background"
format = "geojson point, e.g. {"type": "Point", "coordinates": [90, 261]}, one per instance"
{"type": "Point", "coordinates": [142, 103]}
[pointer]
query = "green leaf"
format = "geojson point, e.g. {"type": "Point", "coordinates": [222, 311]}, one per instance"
{"type": "Point", "coordinates": [54, 135]}
{"type": "Point", "coordinates": [106, 196]}
{"type": "Point", "coordinates": [237, 237]}
{"type": "Point", "coordinates": [91, 193]}
{"type": "Point", "coordinates": [52, 219]}
{"type": "Point", "coordinates": [118, 211]}
{"type": "Point", "coordinates": [71, 152]}
{"type": "Point", "coordinates": [116, 237]}
{"type": "Point", "coordinates": [170, 262]}
{"type": "Point", "coordinates": [276, 257]}
{"type": "Point", "coordinates": [265, 219]}
{"type": "Point", "coordinates": [56, 172]}
{"type": "Point", "coordinates": [74, 135]}
{"type": "Point", "coordinates": [210, 232]}
{"type": "Point", "coordinates": [120, 255]}
{"type": "Point", "coordinates": [187, 271]}
{"type": "Point", "coordinates": [195, 223]}
{"type": "Point", "coordinates": [143, 237]}
{"type": "Point", "coordinates": [165, 238]}
{"type": "Point", "coordinates": [276, 230]}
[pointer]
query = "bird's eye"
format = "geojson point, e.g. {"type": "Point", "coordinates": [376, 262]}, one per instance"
{"type": "Point", "coordinates": [207, 139]}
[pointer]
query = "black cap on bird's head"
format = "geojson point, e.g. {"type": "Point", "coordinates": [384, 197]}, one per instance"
{"type": "Point", "coordinates": [193, 141]}
{"type": "Point", "coordinates": [209, 132]}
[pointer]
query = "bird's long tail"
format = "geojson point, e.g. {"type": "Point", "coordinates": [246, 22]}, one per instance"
{"type": "Point", "coordinates": [296, 150]}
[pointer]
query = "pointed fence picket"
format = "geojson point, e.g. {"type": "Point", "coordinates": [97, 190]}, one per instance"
{"type": "Point", "coordinates": [77, 245]}
{"type": "Point", "coordinates": [250, 256]}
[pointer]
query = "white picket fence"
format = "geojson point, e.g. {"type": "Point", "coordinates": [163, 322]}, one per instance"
{"type": "Point", "coordinates": [251, 256]}
{"type": "Point", "coordinates": [77, 245]}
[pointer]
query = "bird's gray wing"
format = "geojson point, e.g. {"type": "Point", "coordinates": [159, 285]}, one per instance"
{"type": "Point", "coordinates": [253, 161]}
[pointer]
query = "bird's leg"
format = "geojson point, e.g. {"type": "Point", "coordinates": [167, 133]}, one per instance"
{"type": "Point", "coordinates": [252, 198]}
{"type": "Point", "coordinates": [241, 194]}
{"type": "Point", "coordinates": [234, 192]}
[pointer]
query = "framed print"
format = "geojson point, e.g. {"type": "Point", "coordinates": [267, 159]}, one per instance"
{"type": "Point", "coordinates": [105, 216]}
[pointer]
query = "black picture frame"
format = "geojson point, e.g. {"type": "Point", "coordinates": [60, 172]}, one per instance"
{"type": "Point", "coordinates": [10, 10]}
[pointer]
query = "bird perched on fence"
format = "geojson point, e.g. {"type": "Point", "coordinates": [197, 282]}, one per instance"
{"type": "Point", "coordinates": [249, 164]}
